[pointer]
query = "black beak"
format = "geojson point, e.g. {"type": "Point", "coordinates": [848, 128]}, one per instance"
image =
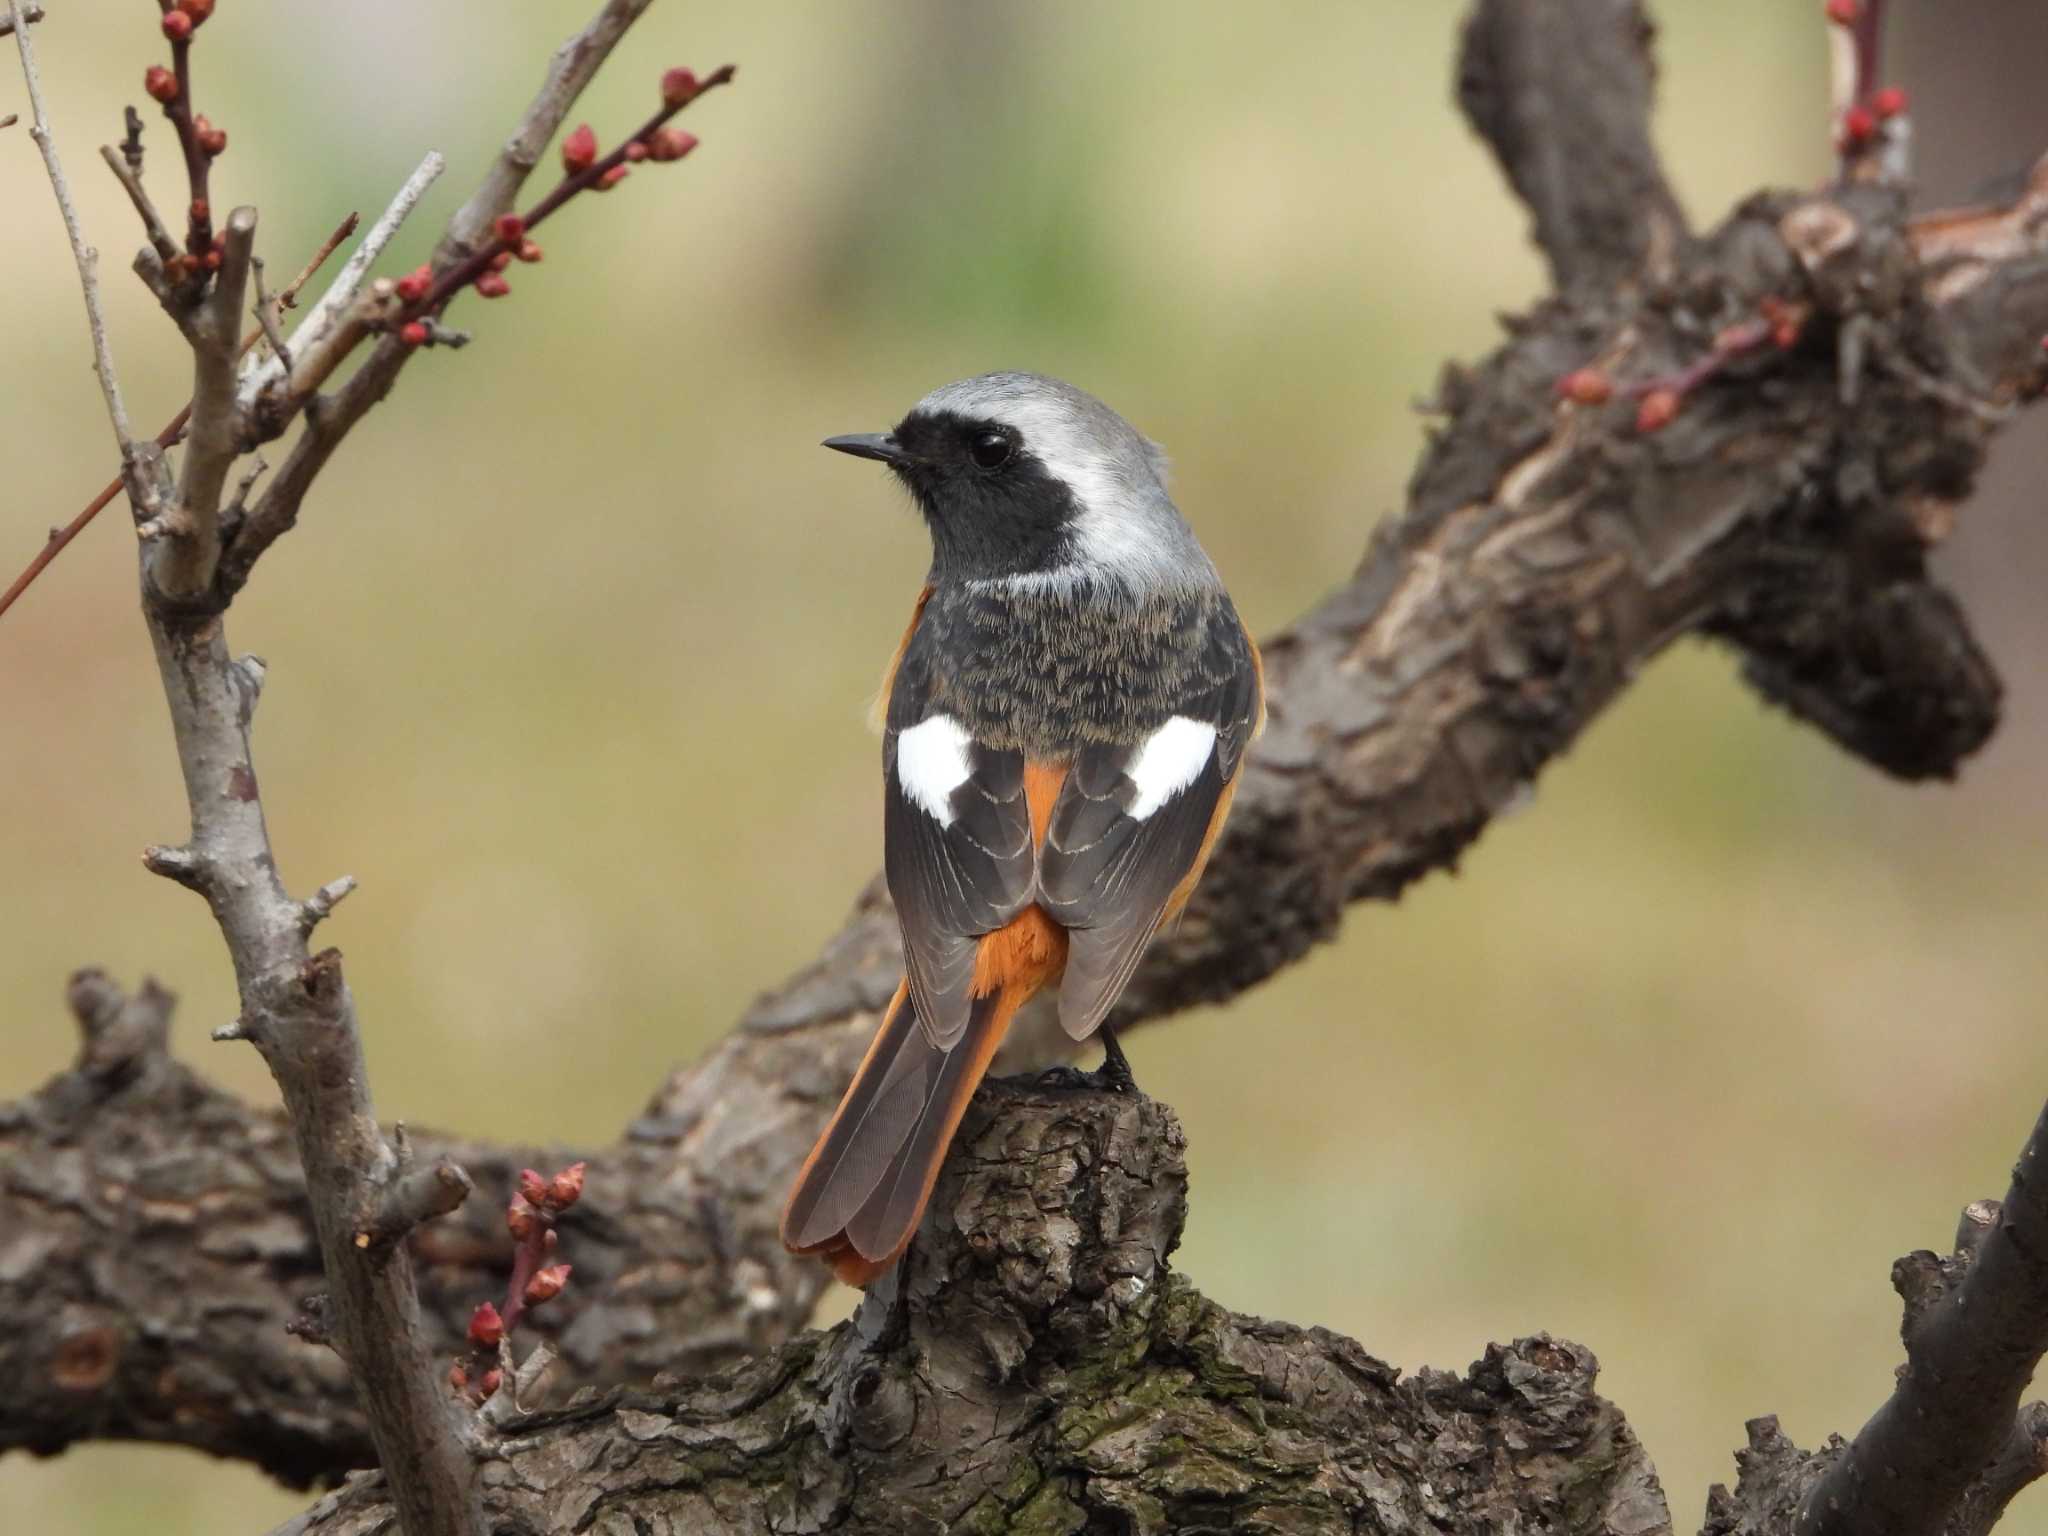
{"type": "Point", "coordinates": [868, 445]}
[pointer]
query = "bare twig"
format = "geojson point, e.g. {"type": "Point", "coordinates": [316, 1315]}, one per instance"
{"type": "Point", "coordinates": [86, 257]}
{"type": "Point", "coordinates": [319, 906]}
{"type": "Point", "coordinates": [267, 313]}
{"type": "Point", "coordinates": [130, 176]}
{"type": "Point", "coordinates": [59, 538]}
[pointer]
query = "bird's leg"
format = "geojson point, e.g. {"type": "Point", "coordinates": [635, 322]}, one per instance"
{"type": "Point", "coordinates": [1115, 1071]}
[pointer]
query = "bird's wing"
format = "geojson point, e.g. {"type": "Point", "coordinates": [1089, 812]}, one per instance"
{"type": "Point", "coordinates": [956, 843]}
{"type": "Point", "coordinates": [1134, 823]}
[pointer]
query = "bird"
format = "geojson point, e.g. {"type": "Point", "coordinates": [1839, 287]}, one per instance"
{"type": "Point", "coordinates": [1064, 724]}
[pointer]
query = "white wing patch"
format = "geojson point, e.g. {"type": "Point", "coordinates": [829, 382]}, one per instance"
{"type": "Point", "coordinates": [1171, 759]}
{"type": "Point", "coordinates": [931, 762]}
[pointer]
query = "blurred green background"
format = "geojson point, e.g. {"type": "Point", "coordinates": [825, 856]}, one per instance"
{"type": "Point", "coordinates": [1691, 1049]}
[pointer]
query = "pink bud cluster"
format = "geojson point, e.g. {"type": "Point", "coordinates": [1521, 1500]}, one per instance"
{"type": "Point", "coordinates": [1779, 322]}
{"type": "Point", "coordinates": [536, 1279]}
{"type": "Point", "coordinates": [585, 167]}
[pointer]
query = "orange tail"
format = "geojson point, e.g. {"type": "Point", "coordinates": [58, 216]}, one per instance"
{"type": "Point", "coordinates": [860, 1195]}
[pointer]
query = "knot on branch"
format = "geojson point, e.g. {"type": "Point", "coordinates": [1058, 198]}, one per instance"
{"type": "Point", "coordinates": [120, 1036]}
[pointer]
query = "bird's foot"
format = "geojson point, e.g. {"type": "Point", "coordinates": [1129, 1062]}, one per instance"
{"type": "Point", "coordinates": [1113, 1076]}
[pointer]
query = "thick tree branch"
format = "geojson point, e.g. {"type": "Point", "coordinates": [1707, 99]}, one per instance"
{"type": "Point", "coordinates": [1038, 1324]}
{"type": "Point", "coordinates": [1974, 1332]}
{"type": "Point", "coordinates": [1560, 91]}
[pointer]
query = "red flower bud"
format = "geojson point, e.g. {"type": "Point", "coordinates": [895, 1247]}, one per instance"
{"type": "Point", "coordinates": [458, 1378]}
{"type": "Point", "coordinates": [1889, 102]}
{"type": "Point", "coordinates": [1786, 332]}
{"type": "Point", "coordinates": [1658, 409]}
{"type": "Point", "coordinates": [579, 150]}
{"type": "Point", "coordinates": [177, 26]}
{"type": "Point", "coordinates": [1844, 13]}
{"type": "Point", "coordinates": [612, 177]}
{"type": "Point", "coordinates": [670, 144]}
{"type": "Point", "coordinates": [211, 139]}
{"type": "Point", "coordinates": [178, 268]}
{"type": "Point", "coordinates": [636, 151]}
{"type": "Point", "coordinates": [211, 260]}
{"type": "Point", "coordinates": [528, 251]}
{"type": "Point", "coordinates": [547, 1284]}
{"type": "Point", "coordinates": [1858, 127]}
{"type": "Point", "coordinates": [486, 1328]}
{"type": "Point", "coordinates": [492, 1379]}
{"type": "Point", "coordinates": [521, 1220]}
{"type": "Point", "coordinates": [566, 1188]}
{"type": "Point", "coordinates": [1585, 386]}
{"type": "Point", "coordinates": [413, 287]}
{"type": "Point", "coordinates": [533, 1189]}
{"type": "Point", "coordinates": [677, 86]}
{"type": "Point", "coordinates": [198, 10]}
{"type": "Point", "coordinates": [160, 84]}
{"type": "Point", "coordinates": [413, 333]}
{"type": "Point", "coordinates": [510, 228]}
{"type": "Point", "coordinates": [501, 261]}
{"type": "Point", "coordinates": [492, 286]}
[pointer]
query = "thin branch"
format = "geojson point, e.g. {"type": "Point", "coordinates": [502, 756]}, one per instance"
{"type": "Point", "coordinates": [130, 177]}
{"type": "Point", "coordinates": [86, 257]}
{"type": "Point", "coordinates": [28, 13]}
{"type": "Point", "coordinates": [60, 537]}
{"type": "Point", "coordinates": [572, 68]}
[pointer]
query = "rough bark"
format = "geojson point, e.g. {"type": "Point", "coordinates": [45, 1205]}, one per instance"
{"type": "Point", "coordinates": [1036, 1366]}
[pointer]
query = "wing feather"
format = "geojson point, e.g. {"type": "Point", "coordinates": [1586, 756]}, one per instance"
{"type": "Point", "coordinates": [1120, 853]}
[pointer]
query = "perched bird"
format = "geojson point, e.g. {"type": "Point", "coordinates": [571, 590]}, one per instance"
{"type": "Point", "coordinates": [1064, 723]}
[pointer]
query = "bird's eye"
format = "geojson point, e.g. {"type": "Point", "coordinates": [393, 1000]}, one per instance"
{"type": "Point", "coordinates": [990, 450]}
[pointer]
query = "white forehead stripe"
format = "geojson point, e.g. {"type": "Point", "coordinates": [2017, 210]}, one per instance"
{"type": "Point", "coordinates": [931, 762]}
{"type": "Point", "coordinates": [1171, 759]}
